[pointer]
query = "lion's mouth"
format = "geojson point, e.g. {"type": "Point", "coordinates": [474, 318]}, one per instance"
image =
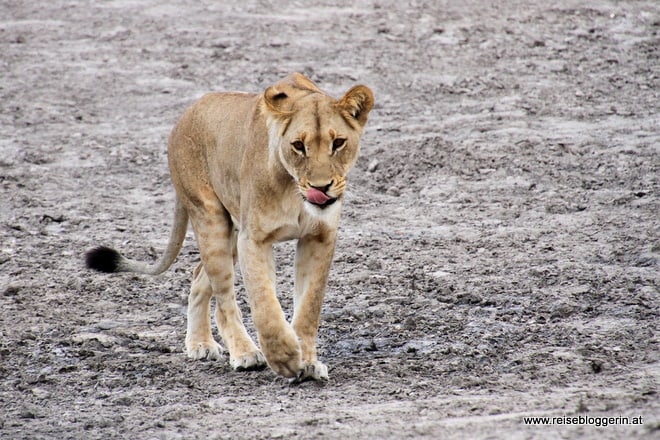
{"type": "Point", "coordinates": [319, 198]}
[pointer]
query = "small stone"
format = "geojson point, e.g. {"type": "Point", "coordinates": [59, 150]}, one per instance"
{"type": "Point", "coordinates": [393, 191]}
{"type": "Point", "coordinates": [28, 413]}
{"type": "Point", "coordinates": [410, 323]}
{"type": "Point", "coordinates": [562, 310]}
{"type": "Point", "coordinates": [106, 341]}
{"type": "Point", "coordinates": [373, 165]}
{"type": "Point", "coordinates": [374, 264]}
{"type": "Point", "coordinates": [12, 290]}
{"type": "Point", "coordinates": [468, 298]}
{"type": "Point", "coordinates": [646, 260]}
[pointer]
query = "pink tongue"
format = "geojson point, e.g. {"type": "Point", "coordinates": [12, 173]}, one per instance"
{"type": "Point", "coordinates": [316, 196]}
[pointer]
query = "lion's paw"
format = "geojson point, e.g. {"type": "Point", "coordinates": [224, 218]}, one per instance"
{"type": "Point", "coordinates": [283, 353]}
{"type": "Point", "coordinates": [312, 371]}
{"type": "Point", "coordinates": [250, 361]}
{"type": "Point", "coordinates": [210, 350]}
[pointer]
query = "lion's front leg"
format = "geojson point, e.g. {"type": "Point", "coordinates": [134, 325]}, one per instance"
{"type": "Point", "coordinates": [313, 259]}
{"type": "Point", "coordinates": [278, 341]}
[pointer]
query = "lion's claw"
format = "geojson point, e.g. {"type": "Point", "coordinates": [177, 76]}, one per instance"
{"type": "Point", "coordinates": [311, 371]}
{"type": "Point", "coordinates": [249, 361]}
{"type": "Point", "coordinates": [210, 350]}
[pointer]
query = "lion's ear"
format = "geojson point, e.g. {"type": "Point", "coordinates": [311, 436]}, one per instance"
{"type": "Point", "coordinates": [277, 101]}
{"type": "Point", "coordinates": [301, 82]}
{"type": "Point", "coordinates": [278, 108]}
{"type": "Point", "coordinates": [280, 97]}
{"type": "Point", "coordinates": [357, 103]}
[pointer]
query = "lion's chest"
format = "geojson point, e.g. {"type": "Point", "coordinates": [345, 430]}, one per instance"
{"type": "Point", "coordinates": [272, 225]}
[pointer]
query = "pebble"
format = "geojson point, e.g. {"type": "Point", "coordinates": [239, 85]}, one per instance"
{"type": "Point", "coordinates": [12, 290]}
{"type": "Point", "coordinates": [374, 264]}
{"type": "Point", "coordinates": [393, 191]}
{"type": "Point", "coordinates": [28, 413]}
{"type": "Point", "coordinates": [105, 340]}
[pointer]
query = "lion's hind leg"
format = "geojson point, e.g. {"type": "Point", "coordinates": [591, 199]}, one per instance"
{"type": "Point", "coordinates": [199, 339]}
{"type": "Point", "coordinates": [216, 240]}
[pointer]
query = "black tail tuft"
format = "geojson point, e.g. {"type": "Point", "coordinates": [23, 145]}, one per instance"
{"type": "Point", "coordinates": [103, 259]}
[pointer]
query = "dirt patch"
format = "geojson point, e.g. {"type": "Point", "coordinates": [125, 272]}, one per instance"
{"type": "Point", "coordinates": [498, 255]}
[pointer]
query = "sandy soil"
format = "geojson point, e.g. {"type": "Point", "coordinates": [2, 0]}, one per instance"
{"type": "Point", "coordinates": [499, 250]}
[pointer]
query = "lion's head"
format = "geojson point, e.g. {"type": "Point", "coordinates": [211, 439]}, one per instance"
{"type": "Point", "coordinates": [314, 136]}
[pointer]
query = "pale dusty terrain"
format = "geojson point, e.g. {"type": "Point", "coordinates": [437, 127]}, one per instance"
{"type": "Point", "coordinates": [499, 250]}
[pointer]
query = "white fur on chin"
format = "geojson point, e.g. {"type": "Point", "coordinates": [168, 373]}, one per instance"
{"type": "Point", "coordinates": [328, 215]}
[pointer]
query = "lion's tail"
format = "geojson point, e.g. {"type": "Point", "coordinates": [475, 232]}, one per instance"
{"type": "Point", "coordinates": [105, 259]}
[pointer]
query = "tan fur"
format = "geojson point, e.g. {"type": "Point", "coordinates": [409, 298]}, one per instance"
{"type": "Point", "coordinates": [241, 183]}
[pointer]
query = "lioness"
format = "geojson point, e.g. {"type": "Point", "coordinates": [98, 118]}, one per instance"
{"type": "Point", "coordinates": [250, 170]}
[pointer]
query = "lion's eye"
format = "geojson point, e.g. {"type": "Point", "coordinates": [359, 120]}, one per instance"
{"type": "Point", "coordinates": [298, 146]}
{"type": "Point", "coordinates": [338, 143]}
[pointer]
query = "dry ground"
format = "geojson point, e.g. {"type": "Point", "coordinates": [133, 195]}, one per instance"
{"type": "Point", "coordinates": [499, 250]}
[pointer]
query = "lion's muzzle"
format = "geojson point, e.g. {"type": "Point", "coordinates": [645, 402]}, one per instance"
{"type": "Point", "coordinates": [319, 198]}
